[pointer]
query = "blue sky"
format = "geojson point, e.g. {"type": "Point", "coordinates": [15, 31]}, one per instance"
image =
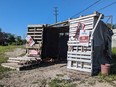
{"type": "Point", "coordinates": [15, 15]}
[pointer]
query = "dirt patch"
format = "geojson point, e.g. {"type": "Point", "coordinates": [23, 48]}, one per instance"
{"type": "Point", "coordinates": [16, 52]}
{"type": "Point", "coordinates": [41, 76]}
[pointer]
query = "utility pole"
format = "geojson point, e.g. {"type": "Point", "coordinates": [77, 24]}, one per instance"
{"type": "Point", "coordinates": [56, 13]}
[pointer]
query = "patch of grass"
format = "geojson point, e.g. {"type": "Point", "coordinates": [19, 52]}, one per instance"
{"type": "Point", "coordinates": [112, 77]}
{"type": "Point", "coordinates": [2, 69]}
{"type": "Point", "coordinates": [59, 75]}
{"type": "Point", "coordinates": [92, 83]}
{"type": "Point", "coordinates": [3, 59]}
{"type": "Point", "coordinates": [108, 78]}
{"type": "Point", "coordinates": [35, 82]}
{"type": "Point", "coordinates": [82, 81]}
{"type": "Point", "coordinates": [114, 51]}
{"type": "Point", "coordinates": [4, 49]}
{"type": "Point", "coordinates": [2, 72]}
{"type": "Point", "coordinates": [60, 83]}
{"type": "Point", "coordinates": [43, 82]}
{"type": "Point", "coordinates": [113, 67]}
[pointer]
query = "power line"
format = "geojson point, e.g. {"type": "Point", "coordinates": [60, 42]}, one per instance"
{"type": "Point", "coordinates": [106, 6]}
{"type": "Point", "coordinates": [86, 8]}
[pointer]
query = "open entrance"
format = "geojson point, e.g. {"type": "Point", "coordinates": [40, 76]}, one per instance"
{"type": "Point", "coordinates": [55, 42]}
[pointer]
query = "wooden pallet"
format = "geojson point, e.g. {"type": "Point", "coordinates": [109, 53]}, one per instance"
{"type": "Point", "coordinates": [80, 57]}
{"type": "Point", "coordinates": [19, 63]}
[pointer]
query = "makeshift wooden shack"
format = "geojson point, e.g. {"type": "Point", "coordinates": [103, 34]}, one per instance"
{"type": "Point", "coordinates": [85, 43]}
{"type": "Point", "coordinates": [50, 40]}
{"type": "Point", "coordinates": [89, 43]}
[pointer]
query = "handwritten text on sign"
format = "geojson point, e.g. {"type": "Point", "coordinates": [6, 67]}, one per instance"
{"type": "Point", "coordinates": [84, 38]}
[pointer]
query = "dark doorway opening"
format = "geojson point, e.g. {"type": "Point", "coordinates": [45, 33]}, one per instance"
{"type": "Point", "coordinates": [55, 42]}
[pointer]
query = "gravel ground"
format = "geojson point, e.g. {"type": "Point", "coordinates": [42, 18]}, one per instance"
{"type": "Point", "coordinates": [39, 77]}
{"type": "Point", "coordinates": [16, 52]}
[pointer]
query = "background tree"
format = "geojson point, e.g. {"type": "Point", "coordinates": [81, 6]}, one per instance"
{"type": "Point", "coordinates": [19, 40]}
{"type": "Point", "coordinates": [10, 38]}
{"type": "Point", "coordinates": [114, 26]}
{"type": "Point", "coordinates": [111, 26]}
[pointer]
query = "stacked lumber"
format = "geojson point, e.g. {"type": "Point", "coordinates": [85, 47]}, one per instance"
{"type": "Point", "coordinates": [21, 62]}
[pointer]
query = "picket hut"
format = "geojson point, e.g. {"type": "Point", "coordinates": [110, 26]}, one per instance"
{"type": "Point", "coordinates": [89, 43]}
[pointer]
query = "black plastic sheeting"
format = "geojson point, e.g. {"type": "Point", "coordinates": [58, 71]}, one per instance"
{"type": "Point", "coordinates": [55, 42]}
{"type": "Point", "coordinates": [102, 46]}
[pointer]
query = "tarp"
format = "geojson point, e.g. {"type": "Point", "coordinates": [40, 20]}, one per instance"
{"type": "Point", "coordinates": [101, 45]}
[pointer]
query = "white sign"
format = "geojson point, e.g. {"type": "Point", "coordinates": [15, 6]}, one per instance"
{"type": "Point", "coordinates": [30, 40]}
{"type": "Point", "coordinates": [84, 38]}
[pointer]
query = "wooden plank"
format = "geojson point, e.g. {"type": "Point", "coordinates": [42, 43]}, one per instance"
{"type": "Point", "coordinates": [12, 66]}
{"type": "Point", "coordinates": [24, 58]}
{"type": "Point", "coordinates": [73, 41]}
{"type": "Point", "coordinates": [78, 60]}
{"type": "Point", "coordinates": [85, 23]}
{"type": "Point", "coordinates": [74, 31]}
{"type": "Point", "coordinates": [38, 25]}
{"type": "Point", "coordinates": [36, 35]}
{"type": "Point", "coordinates": [13, 61]}
{"type": "Point", "coordinates": [79, 56]}
{"type": "Point", "coordinates": [76, 43]}
{"type": "Point", "coordinates": [76, 20]}
{"type": "Point", "coordinates": [85, 17]}
{"type": "Point", "coordinates": [80, 53]}
{"type": "Point", "coordinates": [80, 69]}
{"type": "Point", "coordinates": [84, 66]}
{"type": "Point", "coordinates": [86, 27]}
{"type": "Point", "coordinates": [34, 32]}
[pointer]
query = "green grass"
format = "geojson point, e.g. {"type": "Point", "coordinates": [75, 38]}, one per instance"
{"type": "Point", "coordinates": [3, 59]}
{"type": "Point", "coordinates": [112, 77]}
{"type": "Point", "coordinates": [60, 83]}
{"type": "Point", "coordinates": [113, 67]}
{"type": "Point", "coordinates": [4, 49]}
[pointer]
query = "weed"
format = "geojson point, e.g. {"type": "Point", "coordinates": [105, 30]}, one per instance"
{"type": "Point", "coordinates": [59, 75]}
{"type": "Point", "coordinates": [35, 82]}
{"type": "Point", "coordinates": [43, 82]}
{"type": "Point", "coordinates": [92, 83]}
{"type": "Point", "coordinates": [3, 59]}
{"type": "Point", "coordinates": [60, 83]}
{"type": "Point", "coordinates": [82, 81]}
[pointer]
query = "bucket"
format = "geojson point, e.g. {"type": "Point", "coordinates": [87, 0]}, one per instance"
{"type": "Point", "coordinates": [105, 69]}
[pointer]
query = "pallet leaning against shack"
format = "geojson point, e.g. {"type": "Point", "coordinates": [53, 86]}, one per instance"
{"type": "Point", "coordinates": [33, 50]}
{"type": "Point", "coordinates": [89, 44]}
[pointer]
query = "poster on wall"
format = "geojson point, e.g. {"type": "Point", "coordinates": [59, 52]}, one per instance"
{"type": "Point", "coordinates": [29, 40]}
{"type": "Point", "coordinates": [84, 38]}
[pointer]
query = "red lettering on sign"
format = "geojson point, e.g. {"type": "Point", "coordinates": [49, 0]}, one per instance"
{"type": "Point", "coordinates": [83, 39]}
